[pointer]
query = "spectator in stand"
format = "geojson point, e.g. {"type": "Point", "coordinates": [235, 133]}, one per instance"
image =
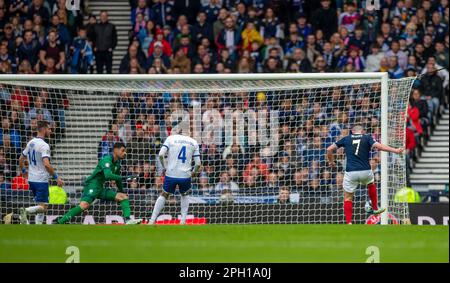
{"type": "Point", "coordinates": [304, 29]}
{"type": "Point", "coordinates": [7, 59]}
{"type": "Point", "coordinates": [284, 195]}
{"type": "Point", "coordinates": [142, 9]}
{"type": "Point", "coordinates": [325, 19]}
{"type": "Point", "coordinates": [202, 28]}
{"type": "Point", "coordinates": [432, 87]}
{"type": "Point", "coordinates": [410, 146]}
{"type": "Point", "coordinates": [256, 168]}
{"type": "Point", "coordinates": [146, 36]}
{"type": "Point", "coordinates": [54, 50]}
{"type": "Point", "coordinates": [82, 53]}
{"type": "Point", "coordinates": [230, 38]}
{"type": "Point", "coordinates": [187, 46]}
{"type": "Point", "coordinates": [90, 27]}
{"type": "Point", "coordinates": [299, 58]}
{"type": "Point", "coordinates": [211, 8]}
{"type": "Point", "coordinates": [219, 24]}
{"type": "Point", "coordinates": [428, 45]}
{"type": "Point", "coordinates": [163, 13]}
{"type": "Point", "coordinates": [64, 37]}
{"type": "Point", "coordinates": [105, 41]}
{"type": "Point", "coordinates": [442, 55]}
{"type": "Point", "coordinates": [293, 42]}
{"type": "Point", "coordinates": [204, 186]}
{"type": "Point", "coordinates": [414, 118]}
{"type": "Point", "coordinates": [132, 54]}
{"type": "Point", "coordinates": [8, 36]}
{"type": "Point", "coordinates": [353, 58]}
{"type": "Point", "coordinates": [192, 6]}
{"type": "Point", "coordinates": [416, 101]}
{"type": "Point", "coordinates": [37, 8]}
{"type": "Point", "coordinates": [29, 49]}
{"type": "Point", "coordinates": [440, 28]}
{"type": "Point", "coordinates": [4, 183]}
{"type": "Point", "coordinates": [440, 71]}
{"type": "Point", "coordinates": [39, 111]}
{"type": "Point", "coordinates": [166, 47]}
{"type": "Point", "coordinates": [5, 166]}
{"type": "Point", "coordinates": [158, 54]}
{"type": "Point", "coordinates": [313, 50]}
{"type": "Point", "coordinates": [225, 184]}
{"type": "Point", "coordinates": [108, 140]}
{"type": "Point", "coordinates": [11, 152]}
{"type": "Point", "coordinates": [250, 35]}
{"type": "Point", "coordinates": [11, 131]}
{"type": "Point", "coordinates": [374, 58]}
{"type": "Point", "coordinates": [395, 71]}
{"type": "Point", "coordinates": [139, 146]}
{"type": "Point", "coordinates": [181, 61]}
{"type": "Point", "coordinates": [350, 18]}
{"type": "Point", "coordinates": [402, 57]}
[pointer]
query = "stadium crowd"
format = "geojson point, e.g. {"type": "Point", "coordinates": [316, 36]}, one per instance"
{"type": "Point", "coordinates": [404, 38]}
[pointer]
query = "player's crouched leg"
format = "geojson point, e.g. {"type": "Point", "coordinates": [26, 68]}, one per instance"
{"type": "Point", "coordinates": [77, 210]}
{"type": "Point", "coordinates": [126, 211]}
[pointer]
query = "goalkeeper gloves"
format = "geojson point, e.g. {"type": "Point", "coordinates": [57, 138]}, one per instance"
{"type": "Point", "coordinates": [131, 178]}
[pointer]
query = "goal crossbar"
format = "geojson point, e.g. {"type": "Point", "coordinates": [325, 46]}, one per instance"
{"type": "Point", "coordinates": [194, 77]}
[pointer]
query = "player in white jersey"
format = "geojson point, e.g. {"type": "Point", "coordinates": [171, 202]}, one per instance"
{"type": "Point", "coordinates": [37, 153]}
{"type": "Point", "coordinates": [180, 151]}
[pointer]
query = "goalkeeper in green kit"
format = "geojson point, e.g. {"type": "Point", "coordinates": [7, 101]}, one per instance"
{"type": "Point", "coordinates": [108, 169]}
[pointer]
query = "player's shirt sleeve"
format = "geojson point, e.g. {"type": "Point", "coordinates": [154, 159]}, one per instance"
{"type": "Point", "coordinates": [371, 141]}
{"type": "Point", "coordinates": [119, 184]}
{"type": "Point", "coordinates": [196, 151]}
{"type": "Point", "coordinates": [164, 148]}
{"type": "Point", "coordinates": [45, 151]}
{"type": "Point", "coordinates": [340, 143]}
{"type": "Point", "coordinates": [196, 154]}
{"type": "Point", "coordinates": [25, 151]}
{"type": "Point", "coordinates": [106, 164]}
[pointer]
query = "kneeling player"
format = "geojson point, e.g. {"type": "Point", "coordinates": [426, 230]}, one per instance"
{"type": "Point", "coordinates": [357, 148]}
{"type": "Point", "coordinates": [108, 169]}
{"type": "Point", "coordinates": [180, 151]}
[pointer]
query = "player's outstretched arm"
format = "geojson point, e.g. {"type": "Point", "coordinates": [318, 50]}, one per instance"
{"type": "Point", "coordinates": [22, 165]}
{"type": "Point", "coordinates": [330, 154]}
{"type": "Point", "coordinates": [161, 155]}
{"type": "Point", "coordinates": [52, 172]}
{"type": "Point", "coordinates": [197, 166]}
{"type": "Point", "coordinates": [110, 176]}
{"type": "Point", "coordinates": [387, 148]}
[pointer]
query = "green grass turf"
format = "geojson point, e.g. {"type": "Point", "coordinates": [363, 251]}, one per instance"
{"type": "Point", "coordinates": [224, 243]}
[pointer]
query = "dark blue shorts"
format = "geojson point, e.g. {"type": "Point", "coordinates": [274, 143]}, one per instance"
{"type": "Point", "coordinates": [170, 185]}
{"type": "Point", "coordinates": [40, 191]}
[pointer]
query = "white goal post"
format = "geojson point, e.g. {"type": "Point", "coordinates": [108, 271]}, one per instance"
{"type": "Point", "coordinates": [361, 94]}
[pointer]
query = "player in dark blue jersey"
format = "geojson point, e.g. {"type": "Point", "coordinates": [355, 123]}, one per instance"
{"type": "Point", "coordinates": [358, 171]}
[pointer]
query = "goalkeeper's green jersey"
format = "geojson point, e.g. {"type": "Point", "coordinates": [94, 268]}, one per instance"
{"type": "Point", "coordinates": [106, 170]}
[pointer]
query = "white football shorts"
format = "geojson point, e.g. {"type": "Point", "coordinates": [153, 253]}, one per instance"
{"type": "Point", "coordinates": [355, 178]}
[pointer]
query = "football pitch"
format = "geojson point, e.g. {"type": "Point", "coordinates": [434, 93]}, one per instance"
{"type": "Point", "coordinates": [224, 243]}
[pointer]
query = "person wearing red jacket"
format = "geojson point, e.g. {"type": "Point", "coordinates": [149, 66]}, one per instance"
{"type": "Point", "coordinates": [410, 140]}
{"type": "Point", "coordinates": [160, 40]}
{"type": "Point", "coordinates": [414, 116]}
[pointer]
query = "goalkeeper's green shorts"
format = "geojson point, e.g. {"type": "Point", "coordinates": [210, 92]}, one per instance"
{"type": "Point", "coordinates": [92, 192]}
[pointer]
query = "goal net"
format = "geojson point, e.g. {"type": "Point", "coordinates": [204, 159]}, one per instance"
{"type": "Point", "coordinates": [263, 141]}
